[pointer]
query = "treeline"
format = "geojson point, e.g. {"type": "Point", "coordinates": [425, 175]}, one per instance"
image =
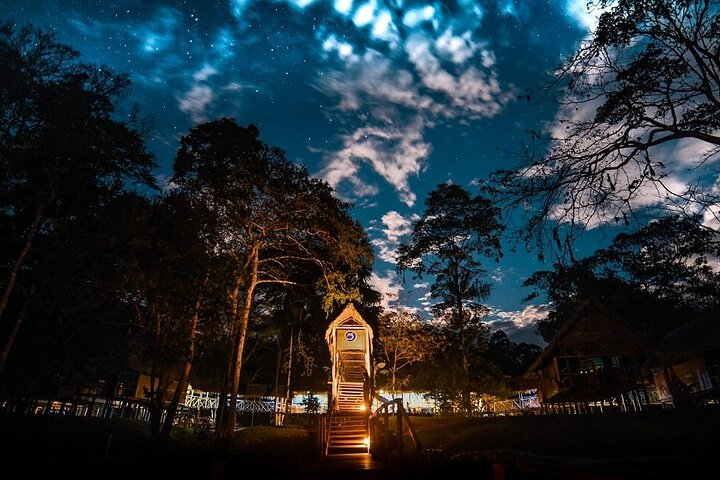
{"type": "Point", "coordinates": [103, 273]}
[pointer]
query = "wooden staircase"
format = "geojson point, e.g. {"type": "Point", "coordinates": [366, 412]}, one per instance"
{"type": "Point", "coordinates": [349, 423]}
{"type": "Point", "coordinates": [351, 397]}
{"type": "Point", "coordinates": [348, 433]}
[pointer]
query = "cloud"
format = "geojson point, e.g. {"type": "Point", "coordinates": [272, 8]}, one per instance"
{"type": "Point", "coordinates": [196, 101]}
{"type": "Point", "coordinates": [372, 80]}
{"type": "Point", "coordinates": [415, 17]}
{"type": "Point", "coordinates": [204, 73]}
{"type": "Point", "coordinates": [519, 325]}
{"type": "Point", "coordinates": [396, 227]}
{"type": "Point", "coordinates": [388, 286]}
{"type": "Point", "coordinates": [458, 48]}
{"type": "Point", "coordinates": [237, 7]}
{"type": "Point", "coordinates": [393, 153]}
{"type": "Point", "coordinates": [583, 13]}
{"type": "Point", "coordinates": [343, 7]}
{"type": "Point", "coordinates": [498, 275]}
{"type": "Point", "coordinates": [472, 92]}
{"type": "Point", "coordinates": [427, 74]}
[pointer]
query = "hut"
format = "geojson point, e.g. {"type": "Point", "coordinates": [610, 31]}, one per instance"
{"type": "Point", "coordinates": [594, 362]}
{"type": "Point", "coordinates": [688, 370]}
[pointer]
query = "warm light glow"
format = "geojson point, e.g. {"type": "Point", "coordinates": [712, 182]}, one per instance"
{"type": "Point", "coordinates": [367, 441]}
{"type": "Point", "coordinates": [363, 407]}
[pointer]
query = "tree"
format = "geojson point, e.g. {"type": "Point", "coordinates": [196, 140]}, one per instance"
{"type": "Point", "coordinates": [405, 339]}
{"type": "Point", "coordinates": [447, 243]}
{"type": "Point", "coordinates": [655, 278]}
{"type": "Point", "coordinates": [637, 129]}
{"type": "Point", "coordinates": [512, 358]}
{"type": "Point", "coordinates": [62, 152]}
{"type": "Point", "coordinates": [454, 388]}
{"type": "Point", "coordinates": [274, 222]}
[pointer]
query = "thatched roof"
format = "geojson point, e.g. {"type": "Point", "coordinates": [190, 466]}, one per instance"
{"type": "Point", "coordinates": [349, 317]}
{"type": "Point", "coordinates": [592, 330]}
{"type": "Point", "coordinates": [697, 337]}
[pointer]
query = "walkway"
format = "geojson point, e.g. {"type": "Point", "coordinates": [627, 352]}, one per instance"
{"type": "Point", "coordinates": [348, 466]}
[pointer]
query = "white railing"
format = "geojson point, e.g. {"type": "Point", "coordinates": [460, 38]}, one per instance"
{"type": "Point", "coordinates": [210, 400]}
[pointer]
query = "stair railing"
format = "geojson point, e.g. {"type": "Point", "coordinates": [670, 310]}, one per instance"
{"type": "Point", "coordinates": [325, 431]}
{"type": "Point", "coordinates": [383, 439]}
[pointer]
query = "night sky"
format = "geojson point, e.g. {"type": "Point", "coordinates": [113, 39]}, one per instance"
{"type": "Point", "coordinates": [382, 99]}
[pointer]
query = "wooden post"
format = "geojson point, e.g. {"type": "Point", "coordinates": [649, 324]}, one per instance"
{"type": "Point", "coordinates": [399, 429]}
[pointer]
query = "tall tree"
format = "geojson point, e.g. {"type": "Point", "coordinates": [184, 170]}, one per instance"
{"type": "Point", "coordinates": [638, 125]}
{"type": "Point", "coordinates": [274, 222]}
{"type": "Point", "coordinates": [455, 232]}
{"type": "Point", "coordinates": [62, 151]}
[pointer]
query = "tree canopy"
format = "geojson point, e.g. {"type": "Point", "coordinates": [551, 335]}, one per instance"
{"type": "Point", "coordinates": [655, 278]}
{"type": "Point", "coordinates": [278, 227]}
{"type": "Point", "coordinates": [637, 128]}
{"type": "Point", "coordinates": [64, 153]}
{"type": "Point", "coordinates": [448, 243]}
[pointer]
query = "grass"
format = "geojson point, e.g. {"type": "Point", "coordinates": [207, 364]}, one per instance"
{"type": "Point", "coordinates": [41, 445]}
{"type": "Point", "coordinates": [688, 433]}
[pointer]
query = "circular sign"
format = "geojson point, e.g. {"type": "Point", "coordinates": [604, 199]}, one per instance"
{"type": "Point", "coordinates": [350, 336]}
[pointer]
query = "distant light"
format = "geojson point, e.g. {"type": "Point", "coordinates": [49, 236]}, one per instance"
{"type": "Point", "coordinates": [366, 442]}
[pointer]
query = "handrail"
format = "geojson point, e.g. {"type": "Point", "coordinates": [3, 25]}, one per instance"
{"type": "Point", "coordinates": [383, 412]}
{"type": "Point", "coordinates": [325, 433]}
{"type": "Point", "coordinates": [327, 427]}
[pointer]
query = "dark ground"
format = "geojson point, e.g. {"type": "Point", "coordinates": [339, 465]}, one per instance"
{"type": "Point", "coordinates": [672, 444]}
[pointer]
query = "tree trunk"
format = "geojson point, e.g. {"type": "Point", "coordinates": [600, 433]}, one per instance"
{"type": "Point", "coordinates": [154, 399]}
{"type": "Point", "coordinates": [222, 412]}
{"type": "Point", "coordinates": [19, 262]}
{"type": "Point", "coordinates": [190, 357]}
{"type": "Point", "coordinates": [467, 404]}
{"type": "Point", "coordinates": [16, 328]}
{"type": "Point", "coordinates": [236, 366]}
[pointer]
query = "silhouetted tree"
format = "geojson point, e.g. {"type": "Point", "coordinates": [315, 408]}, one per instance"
{"type": "Point", "coordinates": [62, 152]}
{"type": "Point", "coordinates": [638, 125]}
{"type": "Point", "coordinates": [444, 374]}
{"type": "Point", "coordinates": [654, 278]}
{"type": "Point", "coordinates": [447, 243]}
{"type": "Point", "coordinates": [512, 358]}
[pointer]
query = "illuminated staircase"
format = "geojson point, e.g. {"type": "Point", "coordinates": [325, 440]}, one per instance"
{"type": "Point", "coordinates": [349, 423]}
{"type": "Point", "coordinates": [348, 433]}
{"type": "Point", "coordinates": [351, 397]}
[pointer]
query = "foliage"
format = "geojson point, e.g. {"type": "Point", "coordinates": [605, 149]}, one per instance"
{"type": "Point", "coordinates": [448, 242]}
{"type": "Point", "coordinates": [279, 228]}
{"type": "Point", "coordinates": [512, 358]}
{"type": "Point", "coordinates": [64, 154]}
{"type": "Point", "coordinates": [311, 403]}
{"type": "Point", "coordinates": [655, 278]}
{"type": "Point", "coordinates": [454, 388]}
{"type": "Point", "coordinates": [404, 339]}
{"type": "Point", "coordinates": [638, 125]}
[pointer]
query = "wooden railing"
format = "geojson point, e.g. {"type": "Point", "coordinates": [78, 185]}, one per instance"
{"type": "Point", "coordinates": [323, 432]}
{"type": "Point", "coordinates": [384, 439]}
